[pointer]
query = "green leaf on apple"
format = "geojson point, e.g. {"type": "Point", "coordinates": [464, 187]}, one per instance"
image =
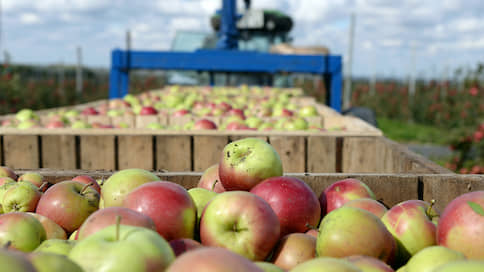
{"type": "Point", "coordinates": [476, 208]}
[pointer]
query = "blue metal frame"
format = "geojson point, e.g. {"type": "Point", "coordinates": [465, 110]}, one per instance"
{"type": "Point", "coordinates": [329, 67]}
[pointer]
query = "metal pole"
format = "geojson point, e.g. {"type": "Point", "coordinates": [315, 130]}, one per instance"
{"type": "Point", "coordinates": [349, 64]}
{"type": "Point", "coordinates": [79, 71]}
{"type": "Point", "coordinates": [412, 79]}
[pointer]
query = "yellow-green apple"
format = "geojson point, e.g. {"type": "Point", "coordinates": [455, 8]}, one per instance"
{"type": "Point", "coordinates": [80, 124]}
{"type": "Point", "coordinates": [169, 205]}
{"type": "Point", "coordinates": [116, 187]}
{"type": "Point", "coordinates": [57, 246]}
{"type": "Point", "coordinates": [123, 248]}
{"type": "Point", "coordinates": [20, 231]}
{"type": "Point", "coordinates": [411, 224]}
{"type": "Point", "coordinates": [369, 264]}
{"type": "Point", "coordinates": [15, 262]}
{"type": "Point", "coordinates": [254, 122]}
{"type": "Point", "coordinates": [293, 249]}
{"type": "Point", "coordinates": [212, 259]}
{"type": "Point", "coordinates": [210, 180]}
{"type": "Point", "coordinates": [293, 201]}
{"type": "Point", "coordinates": [268, 267]}
{"type": "Point", "coordinates": [34, 178]}
{"type": "Point", "coordinates": [107, 216]}
{"type": "Point", "coordinates": [461, 226]}
{"type": "Point", "coordinates": [201, 197]}
{"type": "Point", "coordinates": [349, 231]}
{"type": "Point", "coordinates": [295, 123]}
{"type": "Point", "coordinates": [241, 222]}
{"type": "Point", "coordinates": [52, 229]}
{"type": "Point", "coordinates": [73, 236]}
{"type": "Point", "coordinates": [88, 180]}
{"type": "Point", "coordinates": [326, 264]}
{"type": "Point", "coordinates": [308, 111]}
{"type": "Point", "coordinates": [342, 191]}
{"type": "Point", "coordinates": [430, 258]}
{"type": "Point", "coordinates": [462, 266]}
{"type": "Point", "coordinates": [247, 162]}
{"type": "Point", "coordinates": [26, 114]}
{"type": "Point", "coordinates": [23, 196]}
{"type": "Point", "coordinates": [183, 245]}
{"type": "Point", "coordinates": [7, 172]}
{"type": "Point", "coordinates": [204, 124]}
{"type": "Point", "coordinates": [368, 204]}
{"type": "Point", "coordinates": [68, 203]}
{"type": "Point", "coordinates": [4, 180]}
{"type": "Point", "coordinates": [50, 262]}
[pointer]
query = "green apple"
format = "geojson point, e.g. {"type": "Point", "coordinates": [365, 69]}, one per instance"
{"type": "Point", "coordinates": [26, 114]}
{"type": "Point", "coordinates": [116, 187]}
{"type": "Point", "coordinates": [26, 124]}
{"type": "Point", "coordinates": [123, 248]}
{"type": "Point", "coordinates": [308, 111]}
{"type": "Point", "coordinates": [50, 262]}
{"type": "Point", "coordinates": [80, 125]}
{"type": "Point", "coordinates": [71, 113]}
{"type": "Point", "coordinates": [7, 172]}
{"type": "Point", "coordinates": [188, 126]}
{"type": "Point", "coordinates": [295, 124]}
{"type": "Point", "coordinates": [3, 189]}
{"type": "Point", "coordinates": [266, 126]}
{"type": "Point", "coordinates": [34, 178]}
{"type": "Point", "coordinates": [430, 258]}
{"type": "Point", "coordinates": [254, 122]}
{"type": "Point", "coordinates": [155, 126]}
{"type": "Point", "coordinates": [462, 266]}
{"type": "Point", "coordinates": [23, 196]}
{"type": "Point", "coordinates": [23, 231]}
{"type": "Point", "coordinates": [15, 262]}
{"type": "Point", "coordinates": [268, 267]}
{"type": "Point", "coordinates": [201, 197]}
{"type": "Point", "coordinates": [73, 236]}
{"type": "Point", "coordinates": [326, 264]}
{"type": "Point", "coordinates": [114, 113]}
{"type": "Point", "coordinates": [57, 246]}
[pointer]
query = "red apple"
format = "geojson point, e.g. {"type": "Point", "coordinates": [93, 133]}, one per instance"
{"type": "Point", "coordinates": [89, 111]}
{"type": "Point", "coordinates": [209, 259]}
{"type": "Point", "coordinates": [343, 191]}
{"type": "Point", "coordinates": [236, 125]}
{"type": "Point", "coordinates": [148, 111]}
{"type": "Point", "coordinates": [88, 180]}
{"type": "Point", "coordinates": [294, 249]}
{"type": "Point", "coordinates": [210, 180]}
{"type": "Point", "coordinates": [68, 203]}
{"type": "Point", "coordinates": [241, 222]}
{"type": "Point", "coordinates": [204, 124]}
{"type": "Point", "coordinates": [20, 231]}
{"type": "Point", "coordinates": [52, 229]}
{"type": "Point", "coordinates": [313, 232]}
{"type": "Point", "coordinates": [368, 204]}
{"type": "Point", "coordinates": [183, 245]}
{"type": "Point", "coordinates": [7, 172]}
{"type": "Point", "coordinates": [293, 201]}
{"type": "Point", "coordinates": [180, 113]}
{"type": "Point", "coordinates": [169, 205]}
{"type": "Point", "coordinates": [237, 112]}
{"type": "Point", "coordinates": [367, 263]}
{"type": "Point", "coordinates": [54, 124]}
{"type": "Point", "coordinates": [461, 225]}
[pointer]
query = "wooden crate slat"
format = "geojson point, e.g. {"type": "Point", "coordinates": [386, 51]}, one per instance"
{"type": "Point", "coordinates": [21, 151]}
{"type": "Point", "coordinates": [59, 151]}
{"type": "Point", "coordinates": [128, 120]}
{"type": "Point", "coordinates": [97, 152]}
{"type": "Point", "coordinates": [99, 119]}
{"type": "Point", "coordinates": [321, 154]}
{"type": "Point", "coordinates": [173, 153]}
{"type": "Point", "coordinates": [142, 121]}
{"type": "Point", "coordinates": [135, 152]}
{"type": "Point", "coordinates": [292, 150]}
{"type": "Point", "coordinates": [207, 151]}
{"type": "Point", "coordinates": [240, 137]}
{"type": "Point", "coordinates": [361, 155]}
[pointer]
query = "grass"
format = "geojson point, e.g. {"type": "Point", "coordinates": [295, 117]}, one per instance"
{"type": "Point", "coordinates": [406, 132]}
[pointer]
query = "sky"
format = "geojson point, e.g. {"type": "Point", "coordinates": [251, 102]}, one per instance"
{"type": "Point", "coordinates": [391, 37]}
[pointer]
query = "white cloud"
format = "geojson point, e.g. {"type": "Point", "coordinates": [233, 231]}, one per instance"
{"type": "Point", "coordinates": [29, 18]}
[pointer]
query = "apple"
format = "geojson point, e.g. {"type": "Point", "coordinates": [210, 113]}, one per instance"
{"type": "Point", "coordinates": [313, 232]}
{"type": "Point", "coordinates": [201, 197]}
{"type": "Point", "coordinates": [210, 180]}
{"type": "Point", "coordinates": [368, 204]}
{"type": "Point", "coordinates": [50, 262]}
{"type": "Point", "coordinates": [293, 201]}
{"type": "Point", "coordinates": [343, 191]}
{"type": "Point", "coordinates": [183, 245]}
{"type": "Point", "coordinates": [57, 246]}
{"type": "Point", "coordinates": [73, 236]}
{"type": "Point", "coordinates": [236, 125]}
{"type": "Point", "coordinates": [68, 203]}
{"type": "Point", "coordinates": [22, 196]}
{"type": "Point", "coordinates": [107, 217]}
{"type": "Point", "coordinates": [52, 229]}
{"type": "Point", "coordinates": [4, 188]}
{"type": "Point", "coordinates": [88, 180]}
{"type": "Point", "coordinates": [369, 264]}
{"type": "Point", "coordinates": [117, 186]}
{"type": "Point", "coordinates": [211, 259]}
{"type": "Point", "coordinates": [296, 123]}
{"type": "Point", "coordinates": [411, 225]}
{"type": "Point", "coordinates": [266, 126]}
{"type": "Point", "coordinates": [7, 172]}
{"type": "Point", "coordinates": [179, 113]}
{"type": "Point", "coordinates": [148, 110]}
{"type": "Point", "coordinates": [169, 205]}
{"type": "Point", "coordinates": [15, 262]}
{"type": "Point", "coordinates": [351, 231]}
{"type": "Point", "coordinates": [462, 266]}
{"type": "Point", "coordinates": [155, 126]}
{"type": "Point", "coordinates": [5, 180]}
{"type": "Point", "coordinates": [71, 114]}
{"type": "Point", "coordinates": [89, 111]}
{"type": "Point", "coordinates": [461, 225]}
{"type": "Point", "coordinates": [20, 231]}
{"type": "Point", "coordinates": [247, 162]}
{"type": "Point", "coordinates": [430, 258]}
{"type": "Point", "coordinates": [34, 178]}
{"type": "Point", "coordinates": [204, 124]}
{"type": "Point", "coordinates": [326, 264]}
{"type": "Point", "coordinates": [123, 248]}
{"type": "Point", "coordinates": [308, 111]}
{"type": "Point", "coordinates": [254, 122]}
{"type": "Point", "coordinates": [268, 267]}
{"type": "Point", "coordinates": [293, 249]}
{"type": "Point", "coordinates": [25, 115]}
{"type": "Point", "coordinates": [241, 222]}
{"type": "Point", "coordinates": [237, 112]}
{"type": "Point", "coordinates": [54, 124]}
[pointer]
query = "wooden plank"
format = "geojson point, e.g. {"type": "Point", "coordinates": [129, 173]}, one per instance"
{"type": "Point", "coordinates": [99, 120]}
{"type": "Point", "coordinates": [97, 152]}
{"type": "Point", "coordinates": [135, 152]}
{"type": "Point", "coordinates": [361, 155]}
{"type": "Point", "coordinates": [59, 151]}
{"type": "Point", "coordinates": [179, 121]}
{"type": "Point", "coordinates": [321, 154]}
{"type": "Point", "coordinates": [292, 151]}
{"type": "Point", "coordinates": [173, 153]}
{"type": "Point", "coordinates": [233, 138]}
{"type": "Point", "coordinates": [444, 188]}
{"type": "Point", "coordinates": [21, 151]}
{"type": "Point", "coordinates": [207, 151]}
{"type": "Point", "coordinates": [142, 121]}
{"type": "Point", "coordinates": [126, 120]}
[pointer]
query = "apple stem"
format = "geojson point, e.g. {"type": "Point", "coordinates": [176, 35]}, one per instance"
{"type": "Point", "coordinates": [429, 209]}
{"type": "Point", "coordinates": [213, 185]}
{"type": "Point", "coordinates": [85, 187]}
{"type": "Point", "coordinates": [311, 226]}
{"type": "Point", "coordinates": [118, 223]}
{"type": "Point", "coordinates": [44, 184]}
{"type": "Point", "coordinates": [102, 181]}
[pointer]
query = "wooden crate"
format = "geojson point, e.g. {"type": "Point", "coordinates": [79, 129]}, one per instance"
{"type": "Point", "coordinates": [389, 188]}
{"type": "Point", "coordinates": [114, 149]}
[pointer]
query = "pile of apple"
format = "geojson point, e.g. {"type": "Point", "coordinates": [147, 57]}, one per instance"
{"type": "Point", "coordinates": [244, 215]}
{"type": "Point", "coordinates": [240, 108]}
